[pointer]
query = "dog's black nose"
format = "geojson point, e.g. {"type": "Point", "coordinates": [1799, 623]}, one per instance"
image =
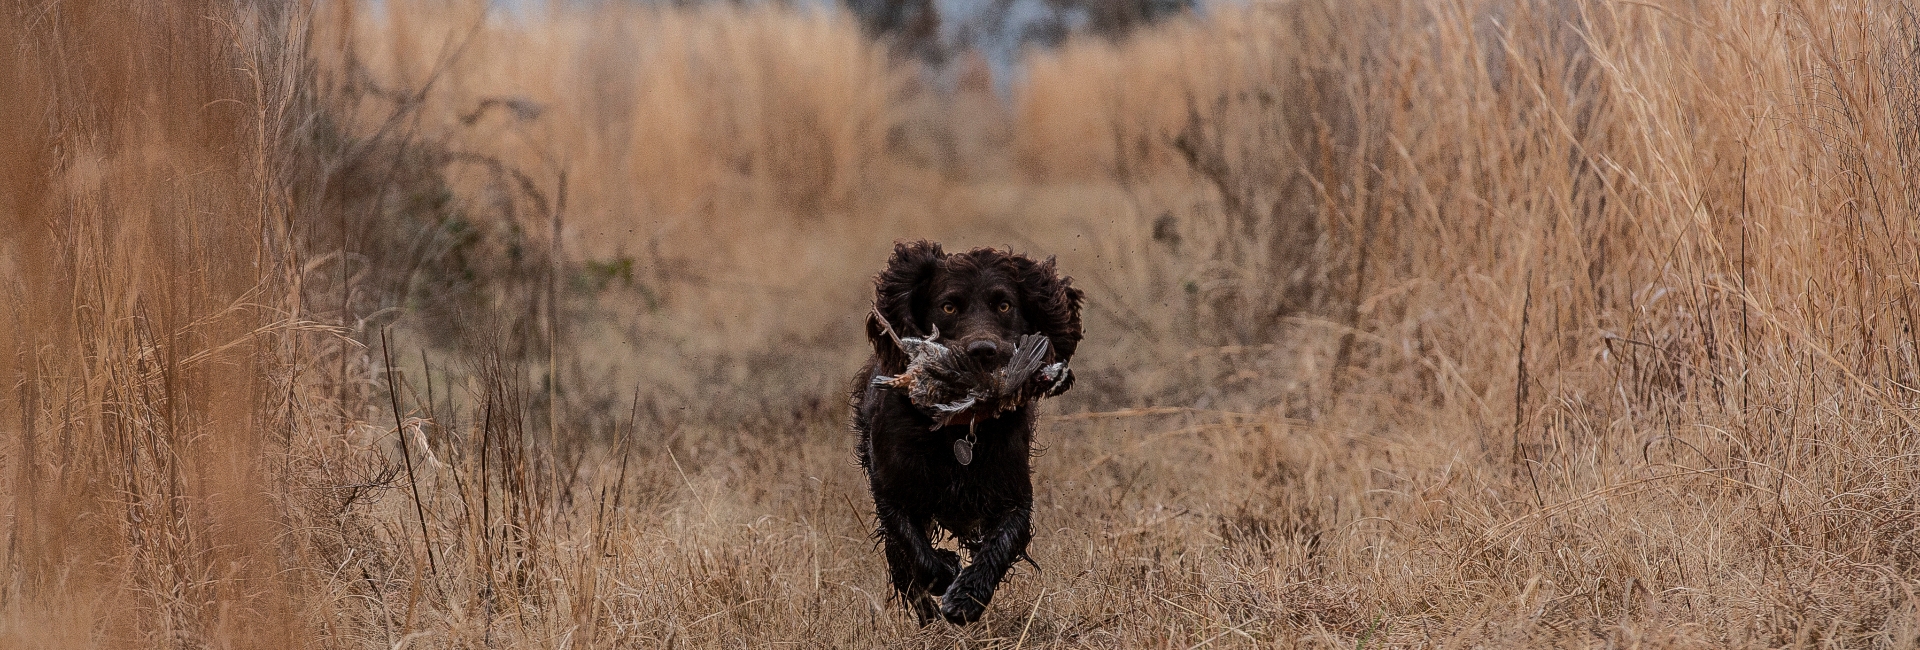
{"type": "Point", "coordinates": [982, 349]}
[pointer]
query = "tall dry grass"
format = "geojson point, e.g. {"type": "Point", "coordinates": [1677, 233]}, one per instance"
{"type": "Point", "coordinates": [146, 325]}
{"type": "Point", "coordinates": [1613, 255]}
{"type": "Point", "coordinates": [657, 111]}
{"type": "Point", "coordinates": [1418, 324]}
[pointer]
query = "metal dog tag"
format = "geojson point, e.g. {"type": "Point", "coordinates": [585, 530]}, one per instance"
{"type": "Point", "coordinates": [963, 451]}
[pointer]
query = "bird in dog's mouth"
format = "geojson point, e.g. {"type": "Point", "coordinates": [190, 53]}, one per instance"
{"type": "Point", "coordinates": [954, 388]}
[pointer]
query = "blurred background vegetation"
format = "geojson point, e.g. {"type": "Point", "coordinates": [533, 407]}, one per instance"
{"type": "Point", "coordinates": [429, 323]}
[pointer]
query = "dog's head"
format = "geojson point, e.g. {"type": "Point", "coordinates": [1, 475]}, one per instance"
{"type": "Point", "coordinates": [982, 300]}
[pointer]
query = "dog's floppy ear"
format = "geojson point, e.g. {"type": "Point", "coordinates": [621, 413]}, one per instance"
{"type": "Point", "coordinates": [900, 294]}
{"type": "Point", "coordinates": [1049, 302]}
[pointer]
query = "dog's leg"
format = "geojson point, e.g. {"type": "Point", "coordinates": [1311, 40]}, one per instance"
{"type": "Point", "coordinates": [973, 589]}
{"type": "Point", "coordinates": [919, 571]}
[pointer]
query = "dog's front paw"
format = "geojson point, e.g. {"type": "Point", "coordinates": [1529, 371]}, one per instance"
{"type": "Point", "coordinates": [962, 605]}
{"type": "Point", "coordinates": [941, 575]}
{"type": "Point", "coordinates": [926, 608]}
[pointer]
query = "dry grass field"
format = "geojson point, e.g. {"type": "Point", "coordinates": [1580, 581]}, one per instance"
{"type": "Point", "coordinates": [1445, 323]}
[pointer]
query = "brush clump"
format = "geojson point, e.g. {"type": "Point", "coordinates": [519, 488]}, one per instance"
{"type": "Point", "coordinates": [945, 383]}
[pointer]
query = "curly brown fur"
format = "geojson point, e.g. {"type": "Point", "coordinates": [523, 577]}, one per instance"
{"type": "Point", "coordinates": [982, 301]}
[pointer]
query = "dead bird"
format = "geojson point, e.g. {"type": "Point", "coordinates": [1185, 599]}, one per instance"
{"type": "Point", "coordinates": [945, 384]}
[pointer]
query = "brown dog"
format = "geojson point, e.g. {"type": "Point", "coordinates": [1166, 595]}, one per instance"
{"type": "Point", "coordinates": [982, 301]}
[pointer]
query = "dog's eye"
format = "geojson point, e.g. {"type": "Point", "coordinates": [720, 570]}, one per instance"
{"type": "Point", "coordinates": [1005, 306]}
{"type": "Point", "coordinates": [949, 308]}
